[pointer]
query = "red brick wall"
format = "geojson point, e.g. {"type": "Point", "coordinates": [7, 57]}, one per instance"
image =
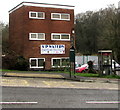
{"type": "Point", "coordinates": [16, 31]}
{"type": "Point", "coordinates": [21, 25]}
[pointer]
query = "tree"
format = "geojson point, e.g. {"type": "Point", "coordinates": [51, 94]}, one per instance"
{"type": "Point", "coordinates": [90, 67]}
{"type": "Point", "coordinates": [98, 30]}
{"type": "Point", "coordinates": [110, 32]}
{"type": "Point", "coordinates": [87, 32]}
{"type": "Point", "coordinates": [5, 39]}
{"type": "Point", "coordinates": [11, 60]}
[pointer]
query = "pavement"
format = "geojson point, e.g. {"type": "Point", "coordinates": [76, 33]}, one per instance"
{"type": "Point", "coordinates": [56, 80]}
{"type": "Point", "coordinates": [53, 75]}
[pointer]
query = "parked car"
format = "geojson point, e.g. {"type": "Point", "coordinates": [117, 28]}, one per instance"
{"type": "Point", "coordinates": [81, 69]}
{"type": "Point", "coordinates": [84, 67]}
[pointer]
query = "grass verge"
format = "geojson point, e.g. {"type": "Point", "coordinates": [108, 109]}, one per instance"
{"type": "Point", "coordinates": [77, 74]}
{"type": "Point", "coordinates": [97, 75]}
{"type": "Point", "coordinates": [54, 71]}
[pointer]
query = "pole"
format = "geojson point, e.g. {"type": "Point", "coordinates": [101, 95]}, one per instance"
{"type": "Point", "coordinates": [70, 69]}
{"type": "Point", "coordinates": [74, 70]}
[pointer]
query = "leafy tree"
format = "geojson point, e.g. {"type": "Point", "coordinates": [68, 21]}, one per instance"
{"type": "Point", "coordinates": [11, 60]}
{"type": "Point", "coordinates": [87, 32]}
{"type": "Point", "coordinates": [98, 30]}
{"type": "Point", "coordinates": [5, 39]}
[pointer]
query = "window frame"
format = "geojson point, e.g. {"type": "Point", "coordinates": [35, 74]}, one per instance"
{"type": "Point", "coordinates": [60, 62]}
{"type": "Point", "coordinates": [36, 36]}
{"type": "Point", "coordinates": [52, 62]}
{"type": "Point", "coordinates": [60, 16]}
{"type": "Point", "coordinates": [36, 15]}
{"type": "Point", "coordinates": [36, 63]}
{"type": "Point", "coordinates": [60, 36]}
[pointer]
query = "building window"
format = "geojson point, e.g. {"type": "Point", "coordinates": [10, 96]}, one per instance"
{"type": "Point", "coordinates": [59, 36]}
{"type": "Point", "coordinates": [56, 62]}
{"type": "Point", "coordinates": [36, 36]}
{"type": "Point", "coordinates": [60, 62]}
{"type": "Point", "coordinates": [36, 15]}
{"type": "Point", "coordinates": [37, 62]}
{"type": "Point", "coordinates": [60, 16]}
{"type": "Point", "coordinates": [64, 62]}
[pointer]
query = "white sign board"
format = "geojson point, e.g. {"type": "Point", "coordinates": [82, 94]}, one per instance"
{"type": "Point", "coordinates": [53, 49]}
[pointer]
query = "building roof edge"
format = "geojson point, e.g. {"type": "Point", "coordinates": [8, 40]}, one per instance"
{"type": "Point", "coordinates": [41, 5]}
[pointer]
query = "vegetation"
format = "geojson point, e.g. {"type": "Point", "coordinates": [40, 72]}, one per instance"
{"type": "Point", "coordinates": [98, 30]}
{"type": "Point", "coordinates": [77, 74]}
{"type": "Point", "coordinates": [90, 67]}
{"type": "Point", "coordinates": [11, 60]}
{"type": "Point", "coordinates": [87, 75]}
{"type": "Point", "coordinates": [93, 30]}
{"type": "Point", "coordinates": [14, 62]}
{"type": "Point", "coordinates": [96, 75]}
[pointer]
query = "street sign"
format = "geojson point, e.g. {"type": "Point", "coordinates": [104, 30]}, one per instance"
{"type": "Point", "coordinates": [72, 54]}
{"type": "Point", "coordinates": [72, 61]}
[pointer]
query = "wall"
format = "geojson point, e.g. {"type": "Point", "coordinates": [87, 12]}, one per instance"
{"type": "Point", "coordinates": [21, 25]}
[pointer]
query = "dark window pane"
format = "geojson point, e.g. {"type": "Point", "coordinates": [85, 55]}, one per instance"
{"type": "Point", "coordinates": [40, 15]}
{"type": "Point", "coordinates": [33, 14]}
{"type": "Point", "coordinates": [40, 36]}
{"type": "Point", "coordinates": [56, 36]}
{"type": "Point", "coordinates": [33, 62]}
{"type": "Point", "coordinates": [56, 62]}
{"type": "Point", "coordinates": [33, 35]}
{"type": "Point", "coordinates": [64, 16]}
{"type": "Point", "coordinates": [65, 62]}
{"type": "Point", "coordinates": [56, 16]}
{"type": "Point", "coordinates": [40, 62]}
{"type": "Point", "coordinates": [64, 36]}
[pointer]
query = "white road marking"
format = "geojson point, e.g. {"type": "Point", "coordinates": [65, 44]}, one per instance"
{"type": "Point", "coordinates": [18, 102]}
{"type": "Point", "coordinates": [102, 102]}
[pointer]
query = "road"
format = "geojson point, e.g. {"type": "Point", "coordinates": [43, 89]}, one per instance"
{"type": "Point", "coordinates": [56, 83]}
{"type": "Point", "coordinates": [57, 93]}
{"type": "Point", "coordinates": [59, 98]}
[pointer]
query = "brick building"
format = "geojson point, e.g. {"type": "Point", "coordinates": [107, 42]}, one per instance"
{"type": "Point", "coordinates": [42, 33]}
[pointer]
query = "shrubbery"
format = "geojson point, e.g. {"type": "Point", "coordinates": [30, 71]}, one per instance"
{"type": "Point", "coordinates": [14, 62]}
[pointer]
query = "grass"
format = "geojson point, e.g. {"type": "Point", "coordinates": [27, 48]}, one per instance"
{"type": "Point", "coordinates": [97, 75]}
{"type": "Point", "coordinates": [111, 76]}
{"type": "Point", "coordinates": [77, 74]}
{"type": "Point", "coordinates": [87, 75]}
{"type": "Point", "coordinates": [7, 70]}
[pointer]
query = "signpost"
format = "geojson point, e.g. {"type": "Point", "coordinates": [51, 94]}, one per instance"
{"type": "Point", "coordinates": [72, 61]}
{"type": "Point", "coordinates": [72, 53]}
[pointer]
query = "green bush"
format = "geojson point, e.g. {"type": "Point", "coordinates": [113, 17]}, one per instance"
{"type": "Point", "coordinates": [14, 62]}
{"type": "Point", "coordinates": [21, 64]}
{"type": "Point", "coordinates": [65, 69]}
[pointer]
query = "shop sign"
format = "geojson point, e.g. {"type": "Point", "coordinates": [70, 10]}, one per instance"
{"type": "Point", "coordinates": [53, 49]}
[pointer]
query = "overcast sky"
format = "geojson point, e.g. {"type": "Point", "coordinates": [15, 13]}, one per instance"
{"type": "Point", "coordinates": [80, 5]}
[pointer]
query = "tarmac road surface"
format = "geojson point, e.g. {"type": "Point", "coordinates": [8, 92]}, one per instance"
{"type": "Point", "coordinates": [58, 98]}
{"type": "Point", "coordinates": [18, 92]}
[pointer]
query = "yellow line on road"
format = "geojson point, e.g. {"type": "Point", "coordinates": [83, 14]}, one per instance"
{"type": "Point", "coordinates": [58, 84]}
{"type": "Point", "coordinates": [18, 82]}
{"type": "Point", "coordinates": [35, 75]}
